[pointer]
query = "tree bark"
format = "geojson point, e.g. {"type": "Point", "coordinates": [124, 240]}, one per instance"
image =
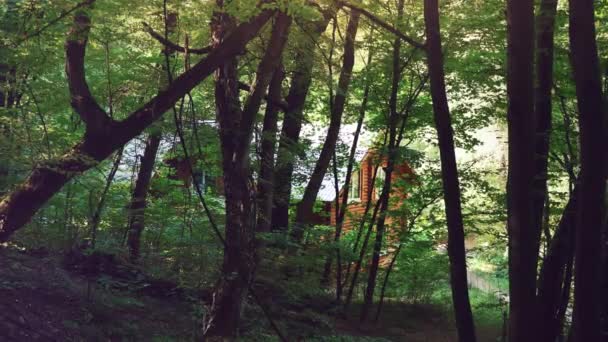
{"type": "Point", "coordinates": [17, 207]}
{"type": "Point", "coordinates": [137, 207]}
{"type": "Point", "coordinates": [386, 187]}
{"type": "Point", "coordinates": [551, 283]}
{"type": "Point", "coordinates": [523, 234]}
{"type": "Point", "coordinates": [353, 282]}
{"type": "Point", "coordinates": [236, 129]}
{"type": "Point", "coordinates": [268, 150]}
{"type": "Point", "coordinates": [542, 104]}
{"type": "Point", "coordinates": [368, 206]}
{"type": "Point", "coordinates": [344, 200]}
{"type": "Point", "coordinates": [585, 66]}
{"type": "Point", "coordinates": [138, 203]}
{"type": "Point", "coordinates": [380, 229]}
{"type": "Point", "coordinates": [305, 208]}
{"type": "Point", "coordinates": [292, 123]}
{"type": "Point", "coordinates": [449, 175]}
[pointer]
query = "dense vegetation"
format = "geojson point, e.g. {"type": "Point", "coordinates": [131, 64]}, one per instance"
{"type": "Point", "coordinates": [168, 162]}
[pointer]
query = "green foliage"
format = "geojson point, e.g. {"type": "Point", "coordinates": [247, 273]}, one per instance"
{"type": "Point", "coordinates": [125, 68]}
{"type": "Point", "coordinates": [420, 271]}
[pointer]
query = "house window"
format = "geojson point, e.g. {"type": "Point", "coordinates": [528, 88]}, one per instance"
{"type": "Point", "coordinates": [380, 176]}
{"type": "Point", "coordinates": [355, 186]}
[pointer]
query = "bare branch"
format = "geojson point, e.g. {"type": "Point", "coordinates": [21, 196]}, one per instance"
{"type": "Point", "coordinates": [172, 45]}
{"type": "Point", "coordinates": [383, 24]}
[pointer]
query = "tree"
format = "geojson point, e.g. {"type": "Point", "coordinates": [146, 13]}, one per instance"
{"type": "Point", "coordinates": [236, 129]}
{"type": "Point", "coordinates": [523, 235]}
{"type": "Point", "coordinates": [268, 150]}
{"type": "Point", "coordinates": [305, 207]}
{"type": "Point", "coordinates": [294, 115]}
{"type": "Point", "coordinates": [592, 178]}
{"type": "Point", "coordinates": [137, 206]}
{"type": "Point", "coordinates": [104, 135]}
{"type": "Point", "coordinates": [449, 175]}
{"type": "Point", "coordinates": [393, 143]}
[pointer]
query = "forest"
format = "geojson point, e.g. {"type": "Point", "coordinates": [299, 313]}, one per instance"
{"type": "Point", "coordinates": [304, 170]}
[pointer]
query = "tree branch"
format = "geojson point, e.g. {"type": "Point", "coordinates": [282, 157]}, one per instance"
{"type": "Point", "coordinates": [81, 98]}
{"type": "Point", "coordinates": [172, 45]}
{"type": "Point", "coordinates": [282, 104]}
{"type": "Point", "coordinates": [17, 207]}
{"type": "Point", "coordinates": [384, 24]}
{"type": "Point", "coordinates": [156, 107]}
{"type": "Point", "coordinates": [266, 67]}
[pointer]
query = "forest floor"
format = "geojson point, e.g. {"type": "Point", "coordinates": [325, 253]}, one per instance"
{"type": "Point", "coordinates": [45, 298]}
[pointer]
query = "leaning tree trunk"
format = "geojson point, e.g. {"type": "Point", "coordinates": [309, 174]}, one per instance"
{"type": "Point", "coordinates": [449, 175]}
{"type": "Point", "coordinates": [523, 235]}
{"type": "Point", "coordinates": [305, 208]}
{"type": "Point", "coordinates": [104, 135]}
{"type": "Point", "coordinates": [236, 129]}
{"type": "Point", "coordinates": [585, 66]}
{"type": "Point", "coordinates": [292, 122]}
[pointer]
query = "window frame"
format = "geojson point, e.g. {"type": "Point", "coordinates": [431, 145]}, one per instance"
{"type": "Point", "coordinates": [380, 178]}
{"type": "Point", "coordinates": [351, 187]}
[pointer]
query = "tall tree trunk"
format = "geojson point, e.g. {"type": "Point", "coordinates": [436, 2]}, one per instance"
{"type": "Point", "coordinates": [138, 203]}
{"type": "Point", "coordinates": [604, 267]}
{"type": "Point", "coordinates": [604, 282]}
{"type": "Point", "coordinates": [551, 283]}
{"type": "Point", "coordinates": [292, 122]}
{"type": "Point", "coordinates": [344, 200]}
{"type": "Point", "coordinates": [236, 129]}
{"type": "Point", "coordinates": [585, 65]}
{"type": "Point", "coordinates": [523, 234]}
{"type": "Point", "coordinates": [449, 175]}
{"type": "Point", "coordinates": [359, 263]}
{"type": "Point", "coordinates": [137, 207]}
{"type": "Point", "coordinates": [542, 104]}
{"type": "Point", "coordinates": [386, 187]}
{"type": "Point", "coordinates": [104, 135]}
{"type": "Point", "coordinates": [268, 150]}
{"type": "Point", "coordinates": [380, 229]}
{"type": "Point", "coordinates": [305, 208]}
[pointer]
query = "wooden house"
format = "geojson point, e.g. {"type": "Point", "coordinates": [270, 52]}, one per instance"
{"type": "Point", "coordinates": [363, 187]}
